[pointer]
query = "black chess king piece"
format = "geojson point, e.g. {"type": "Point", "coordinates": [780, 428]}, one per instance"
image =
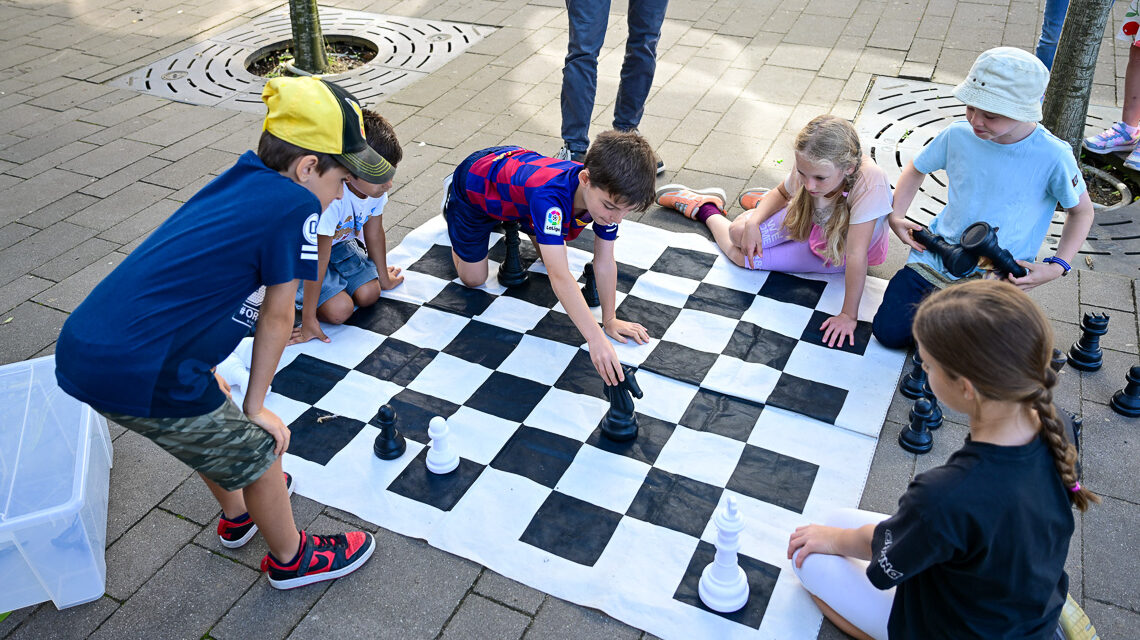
{"type": "Point", "coordinates": [620, 423]}
{"type": "Point", "coordinates": [1126, 402]}
{"type": "Point", "coordinates": [590, 287]}
{"type": "Point", "coordinates": [1085, 354]}
{"type": "Point", "coordinates": [916, 438]}
{"type": "Point", "coordinates": [390, 444]}
{"type": "Point", "coordinates": [914, 383]}
{"type": "Point", "coordinates": [511, 272]}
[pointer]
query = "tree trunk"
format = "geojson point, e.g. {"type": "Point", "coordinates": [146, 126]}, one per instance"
{"type": "Point", "coordinates": [1067, 98]}
{"type": "Point", "coordinates": [308, 42]}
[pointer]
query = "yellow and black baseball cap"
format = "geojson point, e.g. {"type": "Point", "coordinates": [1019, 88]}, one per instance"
{"type": "Point", "coordinates": [318, 115]}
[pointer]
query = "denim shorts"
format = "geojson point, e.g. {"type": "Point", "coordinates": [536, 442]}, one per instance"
{"type": "Point", "coordinates": [349, 269]}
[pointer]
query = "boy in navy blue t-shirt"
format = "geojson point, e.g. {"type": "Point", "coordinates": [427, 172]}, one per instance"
{"type": "Point", "coordinates": [142, 347]}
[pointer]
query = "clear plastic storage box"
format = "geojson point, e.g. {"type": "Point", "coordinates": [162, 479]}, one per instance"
{"type": "Point", "coordinates": [55, 461]}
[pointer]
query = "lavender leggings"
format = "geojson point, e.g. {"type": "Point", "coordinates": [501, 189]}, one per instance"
{"type": "Point", "coordinates": [781, 253]}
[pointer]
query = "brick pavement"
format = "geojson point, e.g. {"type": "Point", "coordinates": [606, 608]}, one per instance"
{"type": "Point", "coordinates": [87, 171]}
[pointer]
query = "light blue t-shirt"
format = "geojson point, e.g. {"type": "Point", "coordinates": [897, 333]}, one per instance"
{"type": "Point", "coordinates": [1014, 187]}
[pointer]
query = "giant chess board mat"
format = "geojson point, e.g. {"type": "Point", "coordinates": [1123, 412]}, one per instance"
{"type": "Point", "coordinates": [741, 399]}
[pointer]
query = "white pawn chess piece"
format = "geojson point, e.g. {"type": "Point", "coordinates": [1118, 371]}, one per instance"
{"type": "Point", "coordinates": [440, 457]}
{"type": "Point", "coordinates": [723, 586]}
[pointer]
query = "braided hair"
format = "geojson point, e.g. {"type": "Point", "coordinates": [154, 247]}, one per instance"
{"type": "Point", "coordinates": [991, 333]}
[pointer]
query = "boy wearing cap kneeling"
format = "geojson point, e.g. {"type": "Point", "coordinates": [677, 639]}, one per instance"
{"type": "Point", "coordinates": [1005, 169]}
{"type": "Point", "coordinates": [141, 348]}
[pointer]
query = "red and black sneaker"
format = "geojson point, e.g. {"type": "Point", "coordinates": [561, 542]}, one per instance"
{"type": "Point", "coordinates": [235, 533]}
{"type": "Point", "coordinates": [321, 558]}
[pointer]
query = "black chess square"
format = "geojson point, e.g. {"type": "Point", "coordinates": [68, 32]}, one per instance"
{"type": "Point", "coordinates": [684, 263]}
{"type": "Point", "coordinates": [318, 435]}
{"type": "Point", "coordinates": [539, 455]}
{"type": "Point", "coordinates": [584, 241]}
{"type": "Point", "coordinates": [396, 361]}
{"type": "Point", "coordinates": [484, 344]}
{"type": "Point", "coordinates": [440, 490]}
{"type": "Point", "coordinates": [654, 316]}
{"type": "Point", "coordinates": [773, 478]}
{"type": "Point", "coordinates": [755, 344]}
{"type": "Point", "coordinates": [580, 376]}
{"type": "Point", "coordinates": [808, 397]}
{"type": "Point", "coordinates": [508, 397]}
{"type": "Point", "coordinates": [761, 578]}
{"type": "Point", "coordinates": [675, 501]}
{"type": "Point", "coordinates": [813, 334]}
{"type": "Point", "coordinates": [722, 301]}
{"type": "Point", "coordinates": [414, 410]}
{"type": "Point", "coordinates": [536, 290]}
{"type": "Point", "coordinates": [679, 362]}
{"type": "Point", "coordinates": [722, 414]}
{"type": "Point", "coordinates": [557, 327]}
{"type": "Point", "coordinates": [571, 528]}
{"type": "Point", "coordinates": [792, 289]}
{"type": "Point", "coordinates": [437, 262]}
{"type": "Point", "coordinates": [527, 254]}
{"type": "Point", "coordinates": [307, 379]}
{"type": "Point", "coordinates": [652, 434]}
{"type": "Point", "coordinates": [462, 300]}
{"type": "Point", "coordinates": [627, 276]}
{"type": "Point", "coordinates": [384, 317]}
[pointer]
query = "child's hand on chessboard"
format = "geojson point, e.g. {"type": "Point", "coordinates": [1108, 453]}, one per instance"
{"type": "Point", "coordinates": [620, 330]}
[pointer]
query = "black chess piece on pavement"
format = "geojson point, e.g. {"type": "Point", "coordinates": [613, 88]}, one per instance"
{"type": "Point", "coordinates": [1085, 354]}
{"type": "Point", "coordinates": [390, 444]}
{"type": "Point", "coordinates": [1126, 402]}
{"type": "Point", "coordinates": [590, 287]}
{"type": "Point", "coordinates": [1058, 361]}
{"type": "Point", "coordinates": [511, 272]}
{"type": "Point", "coordinates": [620, 423]}
{"type": "Point", "coordinates": [916, 438]}
{"type": "Point", "coordinates": [935, 421]}
{"type": "Point", "coordinates": [913, 384]}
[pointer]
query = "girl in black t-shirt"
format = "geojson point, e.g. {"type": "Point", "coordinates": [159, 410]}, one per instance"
{"type": "Point", "coordinates": [977, 547]}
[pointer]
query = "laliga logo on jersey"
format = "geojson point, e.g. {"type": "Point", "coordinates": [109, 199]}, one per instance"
{"type": "Point", "coordinates": [553, 223]}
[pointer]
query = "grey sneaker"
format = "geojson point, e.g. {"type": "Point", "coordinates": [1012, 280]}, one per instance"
{"type": "Point", "coordinates": [566, 154]}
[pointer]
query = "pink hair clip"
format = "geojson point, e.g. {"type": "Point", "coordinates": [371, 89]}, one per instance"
{"type": "Point", "coordinates": [1076, 487]}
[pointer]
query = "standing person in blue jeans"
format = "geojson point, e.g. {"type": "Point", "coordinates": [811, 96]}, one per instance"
{"type": "Point", "coordinates": [1051, 24]}
{"type": "Point", "coordinates": [588, 21]}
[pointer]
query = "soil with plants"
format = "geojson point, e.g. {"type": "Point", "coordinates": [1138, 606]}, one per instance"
{"type": "Point", "coordinates": [342, 56]}
{"type": "Point", "coordinates": [1104, 192]}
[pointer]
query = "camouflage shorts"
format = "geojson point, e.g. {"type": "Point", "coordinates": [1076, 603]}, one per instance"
{"type": "Point", "coordinates": [222, 445]}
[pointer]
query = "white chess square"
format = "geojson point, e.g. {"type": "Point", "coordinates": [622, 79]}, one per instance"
{"type": "Point", "coordinates": [700, 455]}
{"type": "Point", "coordinates": [417, 287]}
{"type": "Point", "coordinates": [358, 396]}
{"type": "Point", "coordinates": [286, 408]}
{"type": "Point", "coordinates": [664, 288]}
{"type": "Point", "coordinates": [478, 436]}
{"type": "Point", "coordinates": [569, 414]}
{"type": "Point", "coordinates": [538, 359]}
{"type": "Point", "coordinates": [782, 317]}
{"type": "Point", "coordinates": [348, 347]}
{"type": "Point", "coordinates": [665, 398]}
{"type": "Point", "coordinates": [640, 245]}
{"type": "Point", "coordinates": [632, 353]}
{"type": "Point", "coordinates": [747, 380]}
{"type": "Point", "coordinates": [701, 330]}
{"type": "Point", "coordinates": [726, 273]}
{"type": "Point", "coordinates": [450, 378]}
{"type": "Point", "coordinates": [602, 478]}
{"type": "Point", "coordinates": [512, 313]}
{"type": "Point", "coordinates": [431, 328]}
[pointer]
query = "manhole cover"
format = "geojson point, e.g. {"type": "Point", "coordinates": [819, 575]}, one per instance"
{"type": "Point", "coordinates": [903, 116]}
{"type": "Point", "coordinates": [213, 72]}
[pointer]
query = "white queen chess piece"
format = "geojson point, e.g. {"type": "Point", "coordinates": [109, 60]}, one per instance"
{"type": "Point", "coordinates": [440, 457]}
{"type": "Point", "coordinates": [723, 586]}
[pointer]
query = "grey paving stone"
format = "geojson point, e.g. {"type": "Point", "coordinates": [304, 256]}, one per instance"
{"type": "Point", "coordinates": [71, 261]}
{"type": "Point", "coordinates": [828, 631]}
{"type": "Point", "coordinates": [12, 233]}
{"type": "Point", "coordinates": [143, 549]}
{"type": "Point", "coordinates": [481, 618]}
{"type": "Point", "coordinates": [48, 141]}
{"type": "Point", "coordinates": [74, 622]}
{"type": "Point", "coordinates": [1121, 329]}
{"type": "Point", "coordinates": [1106, 290]}
{"type": "Point", "coordinates": [947, 440]}
{"type": "Point", "coordinates": [203, 585]}
{"type": "Point", "coordinates": [109, 158]}
{"type": "Point", "coordinates": [1098, 386]}
{"type": "Point", "coordinates": [17, 617]}
{"type": "Point", "coordinates": [116, 132]}
{"type": "Point", "coordinates": [73, 94]}
{"type": "Point", "coordinates": [350, 519]}
{"type": "Point", "coordinates": [305, 512]}
{"type": "Point", "coordinates": [267, 613]}
{"type": "Point", "coordinates": [114, 209]}
{"type": "Point", "coordinates": [192, 167]}
{"type": "Point", "coordinates": [506, 591]}
{"type": "Point", "coordinates": [142, 223]}
{"type": "Point", "coordinates": [54, 212]}
{"type": "Point", "coordinates": [194, 502]}
{"type": "Point", "coordinates": [1107, 439]}
{"type": "Point", "coordinates": [33, 327]}
{"type": "Point", "coordinates": [125, 110]}
{"type": "Point", "coordinates": [68, 293]}
{"type": "Point", "coordinates": [20, 290]}
{"type": "Point", "coordinates": [1111, 535]}
{"type": "Point", "coordinates": [51, 160]}
{"type": "Point", "coordinates": [890, 474]}
{"type": "Point", "coordinates": [1111, 621]}
{"type": "Point", "coordinates": [142, 475]}
{"type": "Point", "coordinates": [392, 589]}
{"type": "Point", "coordinates": [178, 121]}
{"type": "Point", "coordinates": [21, 199]}
{"type": "Point", "coordinates": [561, 619]}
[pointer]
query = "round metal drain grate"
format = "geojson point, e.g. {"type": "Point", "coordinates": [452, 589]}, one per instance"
{"type": "Point", "coordinates": [901, 117]}
{"type": "Point", "coordinates": [213, 72]}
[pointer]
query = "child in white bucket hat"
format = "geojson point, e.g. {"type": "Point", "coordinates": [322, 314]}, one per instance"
{"type": "Point", "coordinates": [1004, 169]}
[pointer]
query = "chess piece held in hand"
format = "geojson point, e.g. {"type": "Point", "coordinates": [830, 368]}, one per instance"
{"type": "Point", "coordinates": [590, 287]}
{"type": "Point", "coordinates": [620, 423]}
